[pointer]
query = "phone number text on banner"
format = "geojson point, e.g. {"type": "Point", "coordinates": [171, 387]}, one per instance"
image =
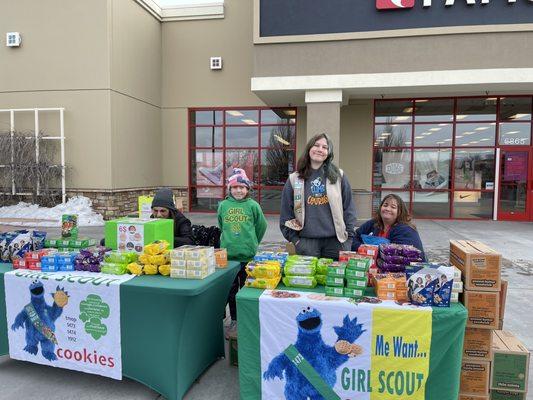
{"type": "Point", "coordinates": [319, 347]}
{"type": "Point", "coordinates": [66, 320]}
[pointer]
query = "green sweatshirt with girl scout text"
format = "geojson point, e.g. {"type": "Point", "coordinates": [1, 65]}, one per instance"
{"type": "Point", "coordinates": [243, 226]}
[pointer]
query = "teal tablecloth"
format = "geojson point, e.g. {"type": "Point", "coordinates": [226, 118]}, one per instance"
{"type": "Point", "coordinates": [448, 327]}
{"type": "Point", "coordinates": [171, 329]}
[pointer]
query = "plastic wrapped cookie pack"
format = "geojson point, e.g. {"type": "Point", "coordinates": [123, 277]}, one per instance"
{"type": "Point", "coordinates": [300, 271]}
{"type": "Point", "coordinates": [192, 262]}
{"type": "Point", "coordinates": [155, 259]}
{"type": "Point", "coordinates": [395, 257]}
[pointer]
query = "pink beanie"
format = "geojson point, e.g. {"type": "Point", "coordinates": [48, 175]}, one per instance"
{"type": "Point", "coordinates": [238, 177]}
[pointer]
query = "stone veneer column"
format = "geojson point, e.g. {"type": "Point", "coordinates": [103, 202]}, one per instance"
{"type": "Point", "coordinates": [323, 115]}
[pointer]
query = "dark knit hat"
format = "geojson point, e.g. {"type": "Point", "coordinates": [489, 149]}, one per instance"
{"type": "Point", "coordinates": [164, 198]}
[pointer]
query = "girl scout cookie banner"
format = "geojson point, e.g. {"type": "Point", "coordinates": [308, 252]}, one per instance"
{"type": "Point", "coordinates": [316, 347]}
{"type": "Point", "coordinates": [67, 320]}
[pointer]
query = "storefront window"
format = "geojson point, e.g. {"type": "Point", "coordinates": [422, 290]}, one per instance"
{"type": "Point", "coordinates": [474, 169]}
{"type": "Point", "coordinates": [260, 141]}
{"type": "Point", "coordinates": [242, 136]}
{"type": "Point", "coordinates": [394, 135]}
{"type": "Point", "coordinates": [206, 118]}
{"type": "Point", "coordinates": [392, 168]}
{"type": "Point", "coordinates": [479, 109]}
{"type": "Point", "coordinates": [433, 135]}
{"type": "Point", "coordinates": [447, 168]}
{"type": "Point", "coordinates": [391, 112]}
{"type": "Point", "coordinates": [475, 135]}
{"type": "Point", "coordinates": [206, 136]}
{"type": "Point", "coordinates": [515, 108]}
{"type": "Point", "coordinates": [278, 136]}
{"type": "Point", "coordinates": [477, 205]}
{"type": "Point", "coordinates": [515, 134]}
{"type": "Point", "coordinates": [242, 117]}
{"type": "Point", "coordinates": [432, 169]}
{"type": "Point", "coordinates": [430, 110]}
{"type": "Point", "coordinates": [431, 203]}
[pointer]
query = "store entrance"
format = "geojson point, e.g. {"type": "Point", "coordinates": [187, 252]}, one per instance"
{"type": "Point", "coordinates": [516, 185]}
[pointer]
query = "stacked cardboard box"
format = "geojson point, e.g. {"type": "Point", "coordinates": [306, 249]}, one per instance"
{"type": "Point", "coordinates": [510, 367]}
{"type": "Point", "coordinates": [480, 268]}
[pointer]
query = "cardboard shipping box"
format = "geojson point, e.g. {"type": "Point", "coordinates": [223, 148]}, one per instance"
{"type": "Point", "coordinates": [506, 395]}
{"type": "Point", "coordinates": [478, 344]}
{"type": "Point", "coordinates": [503, 300]}
{"type": "Point", "coordinates": [479, 264]}
{"type": "Point", "coordinates": [475, 376]}
{"type": "Point", "coordinates": [510, 363]}
{"type": "Point", "coordinates": [483, 309]}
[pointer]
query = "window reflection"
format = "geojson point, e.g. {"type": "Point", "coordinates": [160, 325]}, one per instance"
{"type": "Point", "coordinates": [393, 135]}
{"type": "Point", "coordinates": [432, 169]}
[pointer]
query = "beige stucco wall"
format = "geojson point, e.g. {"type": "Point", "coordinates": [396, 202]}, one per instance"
{"type": "Point", "coordinates": [64, 45]}
{"type": "Point", "coordinates": [136, 144]}
{"type": "Point", "coordinates": [356, 143]}
{"type": "Point", "coordinates": [175, 144]}
{"type": "Point", "coordinates": [187, 80]}
{"type": "Point", "coordinates": [426, 53]}
{"type": "Point", "coordinates": [87, 130]}
{"type": "Point", "coordinates": [135, 52]}
{"type": "Point", "coordinates": [63, 62]}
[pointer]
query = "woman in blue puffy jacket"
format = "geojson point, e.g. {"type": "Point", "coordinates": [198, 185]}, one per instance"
{"type": "Point", "coordinates": [392, 221]}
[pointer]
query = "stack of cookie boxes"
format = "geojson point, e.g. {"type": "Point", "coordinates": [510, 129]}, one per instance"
{"type": "Point", "coordinates": [480, 267]}
{"type": "Point", "coordinates": [192, 262]}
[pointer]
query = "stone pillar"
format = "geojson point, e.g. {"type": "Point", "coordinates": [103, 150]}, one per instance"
{"type": "Point", "coordinates": [323, 115]}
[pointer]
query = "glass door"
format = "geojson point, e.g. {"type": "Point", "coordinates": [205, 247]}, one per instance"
{"type": "Point", "coordinates": [515, 185]}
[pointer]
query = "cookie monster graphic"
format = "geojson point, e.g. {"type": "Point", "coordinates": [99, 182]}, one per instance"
{"type": "Point", "coordinates": [38, 318]}
{"type": "Point", "coordinates": [324, 359]}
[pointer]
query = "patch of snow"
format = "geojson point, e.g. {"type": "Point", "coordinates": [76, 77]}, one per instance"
{"type": "Point", "coordinates": [79, 205]}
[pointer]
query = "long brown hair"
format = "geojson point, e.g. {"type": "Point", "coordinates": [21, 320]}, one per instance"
{"type": "Point", "coordinates": [303, 165]}
{"type": "Point", "coordinates": [403, 214]}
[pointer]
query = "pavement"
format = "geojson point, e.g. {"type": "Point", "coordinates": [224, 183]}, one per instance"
{"type": "Point", "coordinates": [21, 380]}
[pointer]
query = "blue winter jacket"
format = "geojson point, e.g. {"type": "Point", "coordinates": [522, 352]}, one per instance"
{"type": "Point", "coordinates": [399, 234]}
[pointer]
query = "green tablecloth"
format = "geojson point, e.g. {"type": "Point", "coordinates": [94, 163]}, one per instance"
{"type": "Point", "coordinates": [448, 326]}
{"type": "Point", "coordinates": [171, 329]}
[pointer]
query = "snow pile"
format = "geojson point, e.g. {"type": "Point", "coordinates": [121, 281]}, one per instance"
{"type": "Point", "coordinates": [79, 205]}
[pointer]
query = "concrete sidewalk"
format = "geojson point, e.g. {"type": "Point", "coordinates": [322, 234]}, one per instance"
{"type": "Point", "coordinates": [19, 380]}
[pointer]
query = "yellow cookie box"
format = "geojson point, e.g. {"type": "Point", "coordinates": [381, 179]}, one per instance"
{"type": "Point", "coordinates": [197, 274]}
{"type": "Point", "coordinates": [263, 270]}
{"type": "Point", "coordinates": [144, 258]}
{"type": "Point", "coordinates": [178, 273]}
{"type": "Point", "coordinates": [160, 259]}
{"type": "Point", "coordinates": [179, 253]}
{"type": "Point", "coordinates": [156, 248]}
{"type": "Point", "coordinates": [164, 269]}
{"type": "Point", "coordinates": [150, 269]}
{"type": "Point", "coordinates": [182, 264]}
{"type": "Point", "coordinates": [198, 264]}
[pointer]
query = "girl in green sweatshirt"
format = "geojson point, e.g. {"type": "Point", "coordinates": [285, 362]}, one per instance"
{"type": "Point", "coordinates": [243, 226]}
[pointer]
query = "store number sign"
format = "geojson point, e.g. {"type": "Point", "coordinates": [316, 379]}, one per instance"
{"type": "Point", "coordinates": [515, 141]}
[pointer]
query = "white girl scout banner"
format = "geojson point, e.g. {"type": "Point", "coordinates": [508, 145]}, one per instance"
{"type": "Point", "coordinates": [319, 347]}
{"type": "Point", "coordinates": [67, 320]}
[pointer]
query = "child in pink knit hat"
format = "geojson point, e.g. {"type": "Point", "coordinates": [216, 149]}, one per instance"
{"type": "Point", "coordinates": [243, 226]}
